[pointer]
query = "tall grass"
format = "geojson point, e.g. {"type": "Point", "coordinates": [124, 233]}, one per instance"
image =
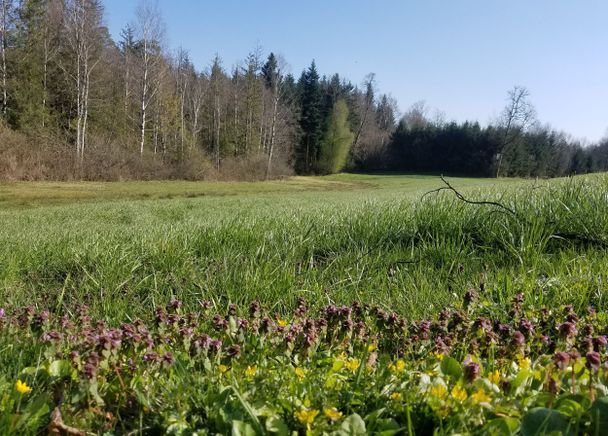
{"type": "Point", "coordinates": [410, 254]}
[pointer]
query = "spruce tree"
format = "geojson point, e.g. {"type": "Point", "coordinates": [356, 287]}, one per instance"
{"type": "Point", "coordinates": [311, 121]}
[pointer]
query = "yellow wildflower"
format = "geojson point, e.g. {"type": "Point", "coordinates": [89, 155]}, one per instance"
{"type": "Point", "coordinates": [481, 397]}
{"type": "Point", "coordinates": [398, 366]}
{"type": "Point", "coordinates": [251, 371]}
{"type": "Point", "coordinates": [439, 391]}
{"type": "Point", "coordinates": [459, 393]}
{"type": "Point", "coordinates": [223, 368]}
{"type": "Point", "coordinates": [332, 413]}
{"type": "Point", "coordinates": [371, 348]}
{"type": "Point", "coordinates": [22, 387]}
{"type": "Point", "coordinates": [395, 396]}
{"type": "Point", "coordinates": [352, 364]}
{"type": "Point", "coordinates": [301, 373]}
{"type": "Point", "coordinates": [523, 362]}
{"type": "Point", "coordinates": [494, 377]}
{"type": "Point", "coordinates": [439, 356]}
{"type": "Point", "coordinates": [306, 416]}
{"type": "Point", "coordinates": [281, 322]}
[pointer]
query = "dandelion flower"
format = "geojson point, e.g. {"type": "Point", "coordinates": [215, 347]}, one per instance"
{"type": "Point", "coordinates": [301, 373]}
{"type": "Point", "coordinates": [22, 387]}
{"type": "Point", "coordinates": [371, 348]}
{"type": "Point", "coordinates": [223, 369]}
{"type": "Point", "coordinates": [396, 396]}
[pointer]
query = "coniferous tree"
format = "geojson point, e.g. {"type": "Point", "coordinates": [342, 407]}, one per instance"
{"type": "Point", "coordinates": [311, 121]}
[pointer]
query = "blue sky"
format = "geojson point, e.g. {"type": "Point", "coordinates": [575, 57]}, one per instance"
{"type": "Point", "coordinates": [460, 56]}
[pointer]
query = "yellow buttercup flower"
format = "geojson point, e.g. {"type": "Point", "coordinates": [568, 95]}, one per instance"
{"type": "Point", "coordinates": [22, 387]}
{"type": "Point", "coordinates": [281, 322]}
{"type": "Point", "coordinates": [523, 362]}
{"type": "Point", "coordinates": [439, 356]}
{"type": "Point", "coordinates": [352, 364]}
{"type": "Point", "coordinates": [371, 348]}
{"type": "Point", "coordinates": [395, 396]}
{"type": "Point", "coordinates": [223, 368]}
{"type": "Point", "coordinates": [332, 413]}
{"type": "Point", "coordinates": [439, 391]}
{"type": "Point", "coordinates": [398, 366]}
{"type": "Point", "coordinates": [307, 416]}
{"type": "Point", "coordinates": [301, 373]}
{"type": "Point", "coordinates": [458, 393]}
{"type": "Point", "coordinates": [481, 397]}
{"type": "Point", "coordinates": [494, 377]}
{"type": "Point", "coordinates": [251, 371]}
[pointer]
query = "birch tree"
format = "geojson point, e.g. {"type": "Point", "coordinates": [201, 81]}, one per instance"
{"type": "Point", "coordinates": [196, 99]}
{"type": "Point", "coordinates": [150, 32]}
{"type": "Point", "coordinates": [83, 34]}
{"type": "Point", "coordinates": [216, 80]}
{"type": "Point", "coordinates": [7, 10]}
{"type": "Point", "coordinates": [274, 81]}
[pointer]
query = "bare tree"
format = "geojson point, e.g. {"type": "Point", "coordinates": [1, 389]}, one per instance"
{"type": "Point", "coordinates": [517, 116]}
{"type": "Point", "coordinates": [150, 34]}
{"type": "Point", "coordinates": [184, 76]}
{"type": "Point", "coordinates": [7, 10]}
{"type": "Point", "coordinates": [216, 85]}
{"type": "Point", "coordinates": [196, 99]}
{"type": "Point", "coordinates": [417, 115]}
{"type": "Point", "coordinates": [369, 83]}
{"type": "Point", "coordinates": [273, 73]}
{"type": "Point", "coordinates": [84, 40]}
{"type": "Point", "coordinates": [253, 101]}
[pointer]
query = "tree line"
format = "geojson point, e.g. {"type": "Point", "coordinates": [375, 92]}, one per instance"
{"type": "Point", "coordinates": [514, 145]}
{"type": "Point", "coordinates": [77, 104]}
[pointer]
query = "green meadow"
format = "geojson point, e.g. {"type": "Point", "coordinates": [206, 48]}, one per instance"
{"type": "Point", "coordinates": [125, 247]}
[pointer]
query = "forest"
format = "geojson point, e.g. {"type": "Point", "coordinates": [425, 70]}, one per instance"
{"type": "Point", "coordinates": [77, 104]}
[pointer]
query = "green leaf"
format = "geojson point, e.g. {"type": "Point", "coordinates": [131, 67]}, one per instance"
{"type": "Point", "coordinates": [599, 415]}
{"type": "Point", "coordinates": [451, 367]}
{"type": "Point", "coordinates": [60, 368]}
{"type": "Point", "coordinates": [352, 426]}
{"type": "Point", "coordinates": [572, 405]}
{"type": "Point", "coordinates": [240, 428]}
{"type": "Point", "coordinates": [540, 421]}
{"type": "Point", "coordinates": [276, 425]}
{"type": "Point", "coordinates": [501, 426]}
{"type": "Point", "coordinates": [520, 379]}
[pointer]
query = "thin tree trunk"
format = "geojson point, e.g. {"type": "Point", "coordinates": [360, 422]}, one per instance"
{"type": "Point", "coordinates": [144, 96]}
{"type": "Point", "coordinates": [3, 47]}
{"type": "Point", "coordinates": [272, 134]}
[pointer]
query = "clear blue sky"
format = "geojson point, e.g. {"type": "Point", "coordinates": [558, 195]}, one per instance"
{"type": "Point", "coordinates": [460, 56]}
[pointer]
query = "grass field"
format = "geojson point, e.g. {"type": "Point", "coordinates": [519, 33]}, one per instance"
{"type": "Point", "coordinates": [338, 239]}
{"type": "Point", "coordinates": [125, 249]}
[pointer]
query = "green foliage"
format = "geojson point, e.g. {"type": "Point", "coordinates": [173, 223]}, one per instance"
{"type": "Point", "coordinates": [311, 121]}
{"type": "Point", "coordinates": [340, 370]}
{"type": "Point", "coordinates": [338, 139]}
